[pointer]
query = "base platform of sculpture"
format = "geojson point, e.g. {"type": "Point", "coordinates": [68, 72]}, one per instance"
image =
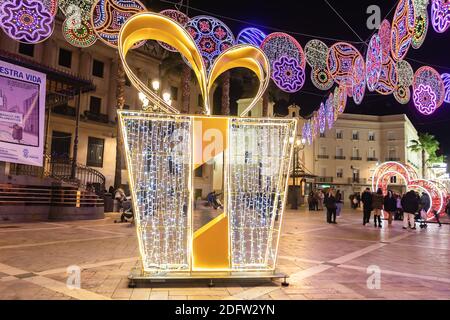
{"type": "Point", "coordinates": [138, 276]}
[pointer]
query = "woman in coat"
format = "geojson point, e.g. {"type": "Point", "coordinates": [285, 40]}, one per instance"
{"type": "Point", "coordinates": [330, 204]}
{"type": "Point", "coordinates": [377, 206]}
{"type": "Point", "coordinates": [390, 206]}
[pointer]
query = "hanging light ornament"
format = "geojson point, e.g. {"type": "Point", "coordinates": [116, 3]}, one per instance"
{"type": "Point", "coordinates": [359, 80]}
{"type": "Point", "coordinates": [405, 79]}
{"type": "Point", "coordinates": [388, 78]}
{"type": "Point", "coordinates": [330, 112]}
{"type": "Point", "coordinates": [421, 24]}
{"type": "Point", "coordinates": [51, 5]}
{"type": "Point", "coordinates": [440, 15]}
{"type": "Point", "coordinates": [322, 118]}
{"type": "Point", "coordinates": [385, 38]}
{"type": "Point", "coordinates": [212, 37]}
{"type": "Point", "coordinates": [78, 33]}
{"type": "Point", "coordinates": [429, 90]}
{"type": "Point", "coordinates": [179, 17]}
{"type": "Point", "coordinates": [339, 100]}
{"type": "Point", "coordinates": [446, 80]}
{"type": "Point", "coordinates": [287, 59]}
{"type": "Point", "coordinates": [108, 16]}
{"type": "Point", "coordinates": [373, 62]}
{"type": "Point", "coordinates": [27, 21]}
{"type": "Point", "coordinates": [316, 53]}
{"type": "Point", "coordinates": [402, 29]}
{"type": "Point", "coordinates": [84, 6]}
{"type": "Point", "coordinates": [252, 36]}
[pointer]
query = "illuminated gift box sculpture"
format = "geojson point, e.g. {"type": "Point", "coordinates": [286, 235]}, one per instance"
{"type": "Point", "coordinates": [248, 161]}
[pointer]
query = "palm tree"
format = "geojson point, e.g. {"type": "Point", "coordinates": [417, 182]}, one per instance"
{"type": "Point", "coordinates": [120, 97]}
{"type": "Point", "coordinates": [426, 143]}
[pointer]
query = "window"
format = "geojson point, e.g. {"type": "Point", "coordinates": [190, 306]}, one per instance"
{"type": "Point", "coordinates": [97, 68]}
{"type": "Point", "coordinates": [392, 153]}
{"type": "Point", "coordinates": [391, 136]}
{"type": "Point", "coordinates": [340, 173]}
{"type": "Point", "coordinates": [65, 58]}
{"type": "Point", "coordinates": [199, 172]}
{"type": "Point", "coordinates": [294, 114]}
{"type": "Point", "coordinates": [339, 134]}
{"type": "Point", "coordinates": [339, 152]}
{"type": "Point", "coordinates": [372, 154]}
{"type": "Point", "coordinates": [96, 147]}
{"type": "Point", "coordinates": [355, 175]}
{"type": "Point", "coordinates": [323, 153]}
{"type": "Point", "coordinates": [61, 144]}
{"type": "Point", "coordinates": [394, 179]}
{"type": "Point", "coordinates": [355, 135]}
{"type": "Point", "coordinates": [26, 49]}
{"type": "Point", "coordinates": [95, 105]}
{"type": "Point", "coordinates": [355, 153]}
{"type": "Point", "coordinates": [174, 93]}
{"type": "Point", "coordinates": [371, 136]}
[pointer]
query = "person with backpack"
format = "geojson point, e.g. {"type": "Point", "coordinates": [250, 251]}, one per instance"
{"type": "Point", "coordinates": [390, 206]}
{"type": "Point", "coordinates": [410, 205]}
{"type": "Point", "coordinates": [377, 206]}
{"type": "Point", "coordinates": [367, 205]}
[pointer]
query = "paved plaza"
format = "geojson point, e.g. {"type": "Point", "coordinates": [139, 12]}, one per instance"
{"type": "Point", "coordinates": [323, 261]}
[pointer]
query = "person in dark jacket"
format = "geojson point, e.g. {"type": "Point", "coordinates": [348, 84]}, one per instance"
{"type": "Point", "coordinates": [390, 206]}
{"type": "Point", "coordinates": [330, 204]}
{"type": "Point", "coordinates": [367, 205]}
{"type": "Point", "coordinates": [377, 206]}
{"type": "Point", "coordinates": [410, 205]}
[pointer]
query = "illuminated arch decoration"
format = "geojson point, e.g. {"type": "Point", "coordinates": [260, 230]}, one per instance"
{"type": "Point", "coordinates": [385, 37]}
{"type": "Point", "coordinates": [388, 78]}
{"type": "Point", "coordinates": [340, 61]}
{"type": "Point", "coordinates": [288, 75]}
{"type": "Point", "coordinates": [51, 5]}
{"type": "Point", "coordinates": [240, 238]}
{"type": "Point", "coordinates": [252, 36]}
{"type": "Point", "coordinates": [384, 172]}
{"type": "Point", "coordinates": [429, 90]}
{"type": "Point", "coordinates": [421, 25]}
{"type": "Point", "coordinates": [177, 16]}
{"type": "Point", "coordinates": [446, 80]}
{"type": "Point", "coordinates": [108, 16]}
{"type": "Point", "coordinates": [322, 118]}
{"type": "Point", "coordinates": [440, 15]}
{"type": "Point", "coordinates": [27, 21]}
{"type": "Point", "coordinates": [374, 59]}
{"type": "Point", "coordinates": [340, 100]}
{"type": "Point", "coordinates": [330, 112]}
{"type": "Point", "coordinates": [212, 37]}
{"type": "Point", "coordinates": [79, 34]}
{"type": "Point", "coordinates": [359, 80]}
{"type": "Point", "coordinates": [402, 29]}
{"type": "Point", "coordinates": [67, 6]}
{"type": "Point", "coordinates": [405, 79]}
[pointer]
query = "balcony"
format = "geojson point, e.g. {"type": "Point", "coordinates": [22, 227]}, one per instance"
{"type": "Point", "coordinates": [97, 117]}
{"type": "Point", "coordinates": [325, 179]}
{"type": "Point", "coordinates": [372, 159]}
{"type": "Point", "coordinates": [64, 110]}
{"type": "Point", "coordinates": [356, 158]}
{"type": "Point", "coordinates": [321, 156]}
{"type": "Point", "coordinates": [339, 157]}
{"type": "Point", "coordinates": [357, 180]}
{"type": "Point", "coordinates": [393, 159]}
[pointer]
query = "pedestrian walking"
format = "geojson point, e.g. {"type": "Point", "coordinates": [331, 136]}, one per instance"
{"type": "Point", "coordinates": [339, 203]}
{"type": "Point", "coordinates": [399, 212]}
{"type": "Point", "coordinates": [320, 198]}
{"type": "Point", "coordinates": [367, 205]}
{"type": "Point", "coordinates": [410, 205]}
{"type": "Point", "coordinates": [390, 206]}
{"type": "Point", "coordinates": [330, 204]}
{"type": "Point", "coordinates": [377, 206]}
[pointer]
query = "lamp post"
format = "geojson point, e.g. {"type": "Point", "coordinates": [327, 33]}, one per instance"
{"type": "Point", "coordinates": [156, 86]}
{"type": "Point", "coordinates": [299, 145]}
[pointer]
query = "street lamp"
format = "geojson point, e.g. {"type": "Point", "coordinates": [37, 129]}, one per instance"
{"type": "Point", "coordinates": [156, 85]}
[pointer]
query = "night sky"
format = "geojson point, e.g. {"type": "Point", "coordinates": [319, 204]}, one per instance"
{"type": "Point", "coordinates": [306, 20]}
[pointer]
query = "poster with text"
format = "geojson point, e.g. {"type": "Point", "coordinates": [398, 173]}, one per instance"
{"type": "Point", "coordinates": [22, 114]}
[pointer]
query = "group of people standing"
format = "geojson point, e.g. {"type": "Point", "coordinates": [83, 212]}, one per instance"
{"type": "Point", "coordinates": [316, 200]}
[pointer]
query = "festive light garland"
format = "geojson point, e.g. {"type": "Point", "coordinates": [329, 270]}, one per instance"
{"type": "Point", "coordinates": [440, 15]}
{"type": "Point", "coordinates": [359, 80]}
{"type": "Point", "coordinates": [402, 94]}
{"type": "Point", "coordinates": [385, 37]}
{"type": "Point", "coordinates": [388, 78]}
{"type": "Point", "coordinates": [322, 118]}
{"type": "Point", "coordinates": [51, 5]}
{"type": "Point", "coordinates": [321, 78]}
{"type": "Point", "coordinates": [79, 34]}
{"type": "Point", "coordinates": [374, 59]}
{"type": "Point", "coordinates": [108, 16]}
{"type": "Point", "coordinates": [340, 99]}
{"type": "Point", "coordinates": [421, 25]}
{"type": "Point", "coordinates": [330, 112]}
{"type": "Point", "coordinates": [67, 6]}
{"type": "Point", "coordinates": [27, 21]}
{"type": "Point", "coordinates": [212, 37]}
{"type": "Point", "coordinates": [446, 80]}
{"type": "Point", "coordinates": [405, 79]}
{"type": "Point", "coordinates": [316, 53]}
{"type": "Point", "coordinates": [288, 75]}
{"type": "Point", "coordinates": [429, 90]}
{"type": "Point", "coordinates": [402, 29]}
{"type": "Point", "coordinates": [252, 36]}
{"type": "Point", "coordinates": [179, 17]}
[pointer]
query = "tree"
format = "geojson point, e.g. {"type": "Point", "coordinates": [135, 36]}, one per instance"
{"type": "Point", "coordinates": [427, 143]}
{"type": "Point", "coordinates": [120, 97]}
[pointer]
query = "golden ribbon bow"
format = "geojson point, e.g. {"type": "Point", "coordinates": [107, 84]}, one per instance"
{"type": "Point", "coordinates": [153, 26]}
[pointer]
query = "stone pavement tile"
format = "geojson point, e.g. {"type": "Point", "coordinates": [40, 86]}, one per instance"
{"type": "Point", "coordinates": [204, 297]}
{"type": "Point", "coordinates": [199, 291]}
{"type": "Point", "coordinates": [255, 293]}
{"type": "Point", "coordinates": [122, 294]}
{"type": "Point", "coordinates": [297, 297]}
{"type": "Point", "coordinates": [19, 290]}
{"type": "Point", "coordinates": [159, 295]}
{"type": "Point", "coordinates": [179, 298]}
{"type": "Point", "coordinates": [279, 295]}
{"type": "Point", "coordinates": [234, 290]}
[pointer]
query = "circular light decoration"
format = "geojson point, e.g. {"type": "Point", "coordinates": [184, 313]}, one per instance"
{"type": "Point", "coordinates": [251, 36]}
{"type": "Point", "coordinates": [212, 37]}
{"type": "Point", "coordinates": [288, 75]}
{"type": "Point", "coordinates": [425, 99]}
{"type": "Point", "coordinates": [405, 73]}
{"type": "Point", "coordinates": [321, 78]}
{"type": "Point", "coordinates": [373, 62]}
{"type": "Point", "coordinates": [108, 16]}
{"type": "Point", "coordinates": [421, 24]}
{"type": "Point", "coordinates": [79, 34]}
{"type": "Point", "coordinates": [330, 112]}
{"type": "Point", "coordinates": [69, 7]}
{"type": "Point", "coordinates": [388, 78]}
{"type": "Point", "coordinates": [385, 37]}
{"type": "Point", "coordinates": [179, 17]}
{"type": "Point", "coordinates": [316, 53]}
{"type": "Point", "coordinates": [440, 15]}
{"type": "Point", "coordinates": [340, 61]}
{"type": "Point", "coordinates": [428, 79]}
{"type": "Point", "coordinates": [402, 94]}
{"type": "Point", "coordinates": [402, 29]}
{"type": "Point", "coordinates": [339, 100]}
{"type": "Point", "coordinates": [359, 80]}
{"type": "Point", "coordinates": [446, 80]}
{"type": "Point", "coordinates": [27, 21]}
{"type": "Point", "coordinates": [51, 5]}
{"type": "Point", "coordinates": [322, 118]}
